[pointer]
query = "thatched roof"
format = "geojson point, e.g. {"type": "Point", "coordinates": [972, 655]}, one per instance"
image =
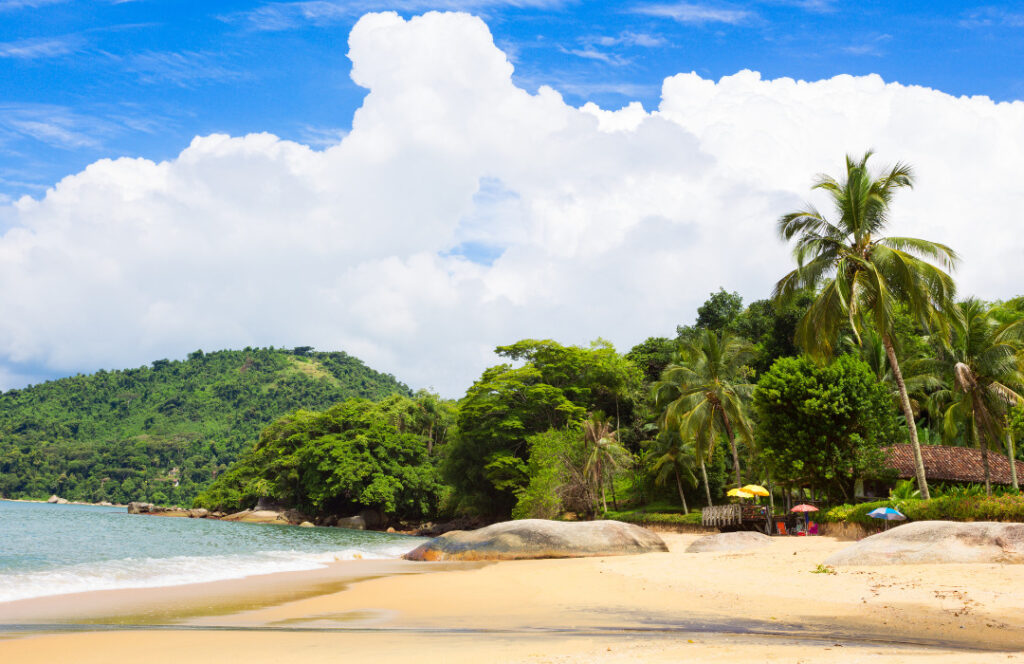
{"type": "Point", "coordinates": [950, 464]}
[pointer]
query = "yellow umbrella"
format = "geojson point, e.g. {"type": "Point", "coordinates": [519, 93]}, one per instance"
{"type": "Point", "coordinates": [755, 490]}
{"type": "Point", "coordinates": [739, 493]}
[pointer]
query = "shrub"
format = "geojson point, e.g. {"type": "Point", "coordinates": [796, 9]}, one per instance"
{"type": "Point", "coordinates": [970, 508]}
{"type": "Point", "coordinates": [1008, 507]}
{"type": "Point", "coordinates": [644, 518]}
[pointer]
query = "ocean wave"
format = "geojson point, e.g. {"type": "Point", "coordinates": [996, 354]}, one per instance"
{"type": "Point", "coordinates": [175, 571]}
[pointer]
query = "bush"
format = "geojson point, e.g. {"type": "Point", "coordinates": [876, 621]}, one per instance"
{"type": "Point", "coordinates": [652, 518]}
{"type": "Point", "coordinates": [1008, 507]}
{"type": "Point", "coordinates": [856, 513]}
{"type": "Point", "coordinates": [954, 508]}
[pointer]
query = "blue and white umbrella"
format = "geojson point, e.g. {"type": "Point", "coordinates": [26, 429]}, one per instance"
{"type": "Point", "coordinates": [887, 513]}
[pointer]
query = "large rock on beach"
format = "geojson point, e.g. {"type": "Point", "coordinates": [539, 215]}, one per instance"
{"type": "Point", "coordinates": [537, 538]}
{"type": "Point", "coordinates": [53, 499]}
{"type": "Point", "coordinates": [737, 541]}
{"type": "Point", "coordinates": [937, 542]}
{"type": "Point", "coordinates": [139, 508]}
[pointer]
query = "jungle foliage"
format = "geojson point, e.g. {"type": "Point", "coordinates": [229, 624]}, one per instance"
{"type": "Point", "coordinates": [357, 454]}
{"type": "Point", "coordinates": [161, 433]}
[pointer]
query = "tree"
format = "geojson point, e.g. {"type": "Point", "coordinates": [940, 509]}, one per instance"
{"type": "Point", "coordinates": [341, 460]}
{"type": "Point", "coordinates": [702, 394]}
{"type": "Point", "coordinates": [676, 457]}
{"type": "Point", "coordinates": [603, 454]}
{"type": "Point", "coordinates": [822, 425]}
{"type": "Point", "coordinates": [719, 311]}
{"type": "Point", "coordinates": [859, 276]}
{"type": "Point", "coordinates": [652, 356]}
{"type": "Point", "coordinates": [981, 359]}
{"type": "Point", "coordinates": [487, 462]}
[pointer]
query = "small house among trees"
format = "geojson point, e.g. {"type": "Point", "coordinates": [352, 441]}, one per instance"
{"type": "Point", "coordinates": [942, 463]}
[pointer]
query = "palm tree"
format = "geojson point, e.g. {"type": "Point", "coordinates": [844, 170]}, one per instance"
{"type": "Point", "coordinates": [603, 453]}
{"type": "Point", "coordinates": [982, 359]}
{"type": "Point", "coordinates": [862, 276]}
{"type": "Point", "coordinates": [702, 394]}
{"type": "Point", "coordinates": [921, 375]}
{"type": "Point", "coordinates": [677, 457]}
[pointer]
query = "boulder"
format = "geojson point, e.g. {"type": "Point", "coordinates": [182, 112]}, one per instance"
{"type": "Point", "coordinates": [199, 513]}
{"type": "Point", "coordinates": [372, 518]}
{"type": "Point", "coordinates": [53, 499]}
{"type": "Point", "coordinates": [140, 508]}
{"type": "Point", "coordinates": [736, 541]}
{"type": "Point", "coordinates": [352, 523]}
{"type": "Point", "coordinates": [937, 542]}
{"type": "Point", "coordinates": [306, 524]}
{"type": "Point", "coordinates": [257, 516]}
{"type": "Point", "coordinates": [537, 538]}
{"type": "Point", "coordinates": [62, 501]}
{"type": "Point", "coordinates": [265, 504]}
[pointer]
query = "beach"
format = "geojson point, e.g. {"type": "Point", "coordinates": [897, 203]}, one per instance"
{"type": "Point", "coordinates": [762, 605]}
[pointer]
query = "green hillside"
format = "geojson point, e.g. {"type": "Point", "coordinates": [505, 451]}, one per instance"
{"type": "Point", "coordinates": [163, 432]}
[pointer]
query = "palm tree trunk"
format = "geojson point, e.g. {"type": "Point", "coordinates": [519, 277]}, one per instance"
{"type": "Point", "coordinates": [732, 446]}
{"type": "Point", "coordinates": [611, 483]}
{"type": "Point", "coordinates": [908, 412]}
{"type": "Point", "coordinates": [679, 485]}
{"type": "Point", "coordinates": [1012, 454]}
{"type": "Point", "coordinates": [980, 437]}
{"type": "Point", "coordinates": [704, 474]}
{"type": "Point", "coordinates": [600, 480]}
{"type": "Point", "coordinates": [984, 462]}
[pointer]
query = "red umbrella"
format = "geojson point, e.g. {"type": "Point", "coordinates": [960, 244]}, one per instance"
{"type": "Point", "coordinates": [805, 508]}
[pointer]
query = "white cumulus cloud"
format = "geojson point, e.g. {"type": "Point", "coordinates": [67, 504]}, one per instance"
{"type": "Point", "coordinates": [461, 212]}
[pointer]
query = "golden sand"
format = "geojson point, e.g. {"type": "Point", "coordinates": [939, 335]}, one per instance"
{"type": "Point", "coordinates": [766, 605]}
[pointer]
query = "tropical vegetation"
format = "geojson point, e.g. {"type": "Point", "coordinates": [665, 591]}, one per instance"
{"type": "Point", "coordinates": [862, 345]}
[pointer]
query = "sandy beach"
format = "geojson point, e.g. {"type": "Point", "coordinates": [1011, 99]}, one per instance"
{"type": "Point", "coordinates": [766, 605]}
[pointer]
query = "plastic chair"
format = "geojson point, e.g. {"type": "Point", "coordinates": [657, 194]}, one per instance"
{"type": "Point", "coordinates": [812, 528]}
{"type": "Point", "coordinates": [780, 527]}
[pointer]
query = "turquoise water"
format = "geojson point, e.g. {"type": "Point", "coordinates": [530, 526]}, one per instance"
{"type": "Point", "coordinates": [55, 549]}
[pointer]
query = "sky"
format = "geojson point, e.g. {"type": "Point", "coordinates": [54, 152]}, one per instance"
{"type": "Point", "coordinates": [417, 182]}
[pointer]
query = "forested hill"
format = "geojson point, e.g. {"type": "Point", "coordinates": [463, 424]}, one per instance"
{"type": "Point", "coordinates": [161, 433]}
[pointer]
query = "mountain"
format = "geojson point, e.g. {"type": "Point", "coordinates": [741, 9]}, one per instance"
{"type": "Point", "coordinates": [161, 433]}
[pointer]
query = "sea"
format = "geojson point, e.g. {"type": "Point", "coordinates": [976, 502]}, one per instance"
{"type": "Point", "coordinates": [49, 549]}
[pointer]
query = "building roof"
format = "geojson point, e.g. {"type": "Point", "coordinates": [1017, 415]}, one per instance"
{"type": "Point", "coordinates": [950, 464]}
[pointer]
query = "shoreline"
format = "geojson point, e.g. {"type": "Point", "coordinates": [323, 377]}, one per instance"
{"type": "Point", "coordinates": [766, 604]}
{"type": "Point", "coordinates": [68, 502]}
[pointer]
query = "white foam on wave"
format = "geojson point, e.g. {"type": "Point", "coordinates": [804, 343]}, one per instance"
{"type": "Point", "coordinates": [176, 571]}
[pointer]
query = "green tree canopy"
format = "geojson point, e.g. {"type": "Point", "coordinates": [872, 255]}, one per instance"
{"type": "Point", "coordinates": [349, 457]}
{"type": "Point", "coordinates": [823, 426]}
{"type": "Point", "coordinates": [555, 388]}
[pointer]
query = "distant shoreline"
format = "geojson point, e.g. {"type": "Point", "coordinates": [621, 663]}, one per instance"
{"type": "Point", "coordinates": [70, 502]}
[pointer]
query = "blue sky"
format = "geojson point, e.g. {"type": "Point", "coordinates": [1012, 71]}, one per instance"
{"type": "Point", "coordinates": [460, 212]}
{"type": "Point", "coordinates": [87, 79]}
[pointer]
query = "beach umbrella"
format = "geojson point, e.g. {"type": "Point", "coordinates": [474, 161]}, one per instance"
{"type": "Point", "coordinates": [888, 514]}
{"type": "Point", "coordinates": [805, 508]}
{"type": "Point", "coordinates": [739, 493]}
{"type": "Point", "coordinates": [756, 490]}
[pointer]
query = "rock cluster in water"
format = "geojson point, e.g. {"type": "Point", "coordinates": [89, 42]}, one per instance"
{"type": "Point", "coordinates": [157, 510]}
{"type": "Point", "coordinates": [938, 542]}
{"type": "Point", "coordinates": [538, 538]}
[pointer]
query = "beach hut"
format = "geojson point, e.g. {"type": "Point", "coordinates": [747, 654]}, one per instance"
{"type": "Point", "coordinates": [942, 463]}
